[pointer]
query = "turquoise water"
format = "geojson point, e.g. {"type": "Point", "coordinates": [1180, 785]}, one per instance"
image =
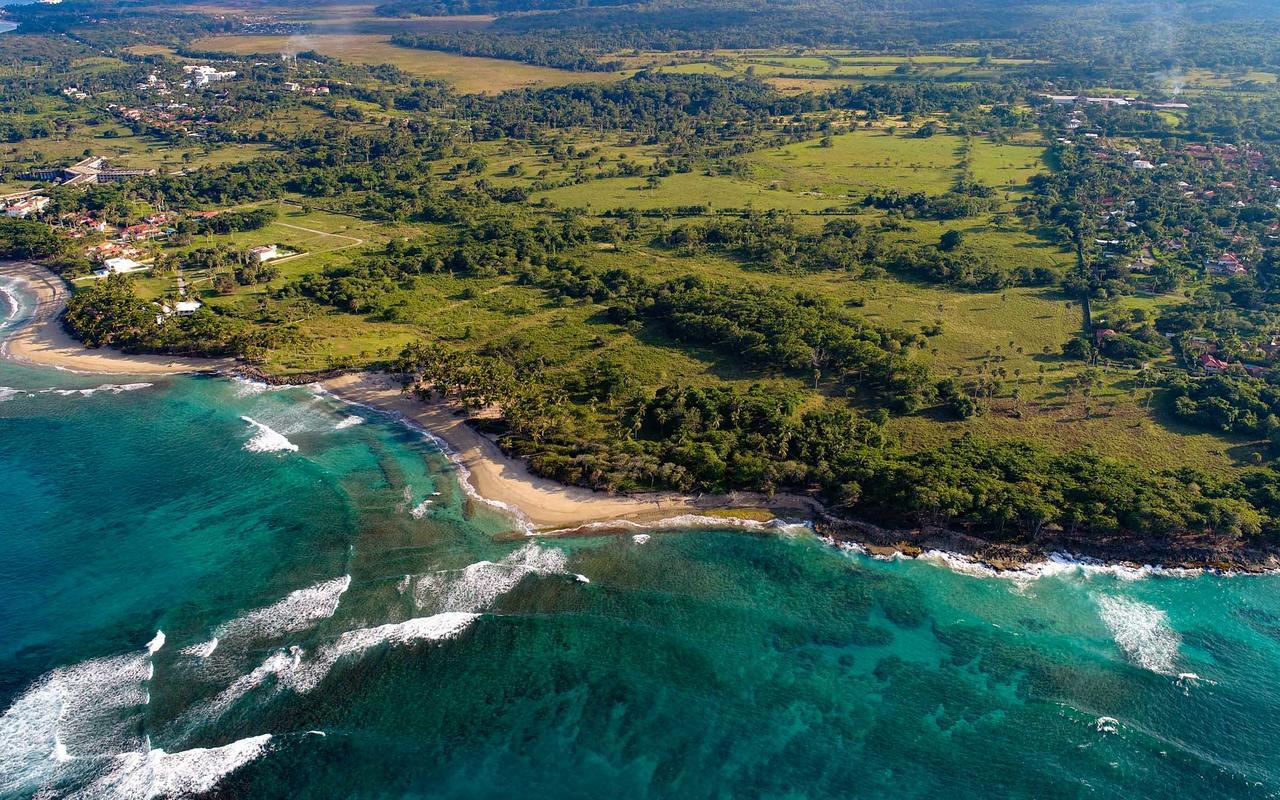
{"type": "Point", "coordinates": [342, 620]}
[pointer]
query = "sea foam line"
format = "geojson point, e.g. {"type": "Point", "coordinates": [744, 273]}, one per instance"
{"type": "Point", "coordinates": [1056, 564]}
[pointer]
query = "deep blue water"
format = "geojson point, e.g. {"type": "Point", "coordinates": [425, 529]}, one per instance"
{"type": "Point", "coordinates": [340, 619]}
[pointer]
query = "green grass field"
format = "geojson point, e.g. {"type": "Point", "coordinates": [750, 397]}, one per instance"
{"type": "Point", "coordinates": [465, 73]}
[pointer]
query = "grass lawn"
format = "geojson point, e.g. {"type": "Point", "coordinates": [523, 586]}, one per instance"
{"type": "Point", "coordinates": [465, 73]}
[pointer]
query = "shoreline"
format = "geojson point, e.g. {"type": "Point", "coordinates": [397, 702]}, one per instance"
{"type": "Point", "coordinates": [543, 507]}
{"type": "Point", "coordinates": [41, 341]}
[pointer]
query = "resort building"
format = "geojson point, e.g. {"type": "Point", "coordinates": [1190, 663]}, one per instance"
{"type": "Point", "coordinates": [25, 208]}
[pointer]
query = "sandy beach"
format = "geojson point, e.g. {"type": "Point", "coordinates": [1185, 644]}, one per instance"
{"type": "Point", "coordinates": [42, 340]}
{"type": "Point", "coordinates": [541, 504]}
{"type": "Point", "coordinates": [545, 504]}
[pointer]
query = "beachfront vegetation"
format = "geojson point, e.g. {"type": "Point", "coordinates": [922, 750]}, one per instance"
{"type": "Point", "coordinates": [707, 247]}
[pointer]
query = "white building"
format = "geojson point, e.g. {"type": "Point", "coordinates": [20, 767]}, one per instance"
{"type": "Point", "coordinates": [118, 266]}
{"type": "Point", "coordinates": [264, 252]}
{"type": "Point", "coordinates": [185, 308]}
{"type": "Point", "coordinates": [25, 208]}
{"type": "Point", "coordinates": [202, 74]}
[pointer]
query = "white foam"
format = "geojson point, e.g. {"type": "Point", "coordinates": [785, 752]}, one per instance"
{"type": "Point", "coordinates": [476, 586]}
{"type": "Point", "coordinates": [201, 649]}
{"type": "Point", "coordinates": [276, 664]}
{"type": "Point", "coordinates": [267, 440]}
{"type": "Point", "coordinates": [1057, 564]}
{"type": "Point", "coordinates": [1141, 631]}
{"type": "Point", "coordinates": [156, 643]}
{"type": "Point", "coordinates": [294, 612]}
{"type": "Point", "coordinates": [438, 627]}
{"type": "Point", "coordinates": [420, 510]}
{"type": "Point", "coordinates": [640, 538]}
{"type": "Point", "coordinates": [106, 388]}
{"type": "Point", "coordinates": [10, 393]}
{"type": "Point", "coordinates": [291, 671]}
{"type": "Point", "coordinates": [350, 421]}
{"type": "Point", "coordinates": [86, 710]}
{"type": "Point", "coordinates": [149, 774]}
{"type": "Point", "coordinates": [1106, 724]}
{"type": "Point", "coordinates": [244, 387]}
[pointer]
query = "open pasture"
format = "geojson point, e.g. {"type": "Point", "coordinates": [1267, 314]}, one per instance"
{"type": "Point", "coordinates": [467, 74]}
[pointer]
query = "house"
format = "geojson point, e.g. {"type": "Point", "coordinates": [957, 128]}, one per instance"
{"type": "Point", "coordinates": [185, 308]}
{"type": "Point", "coordinates": [118, 266]}
{"type": "Point", "coordinates": [1140, 163]}
{"type": "Point", "coordinates": [1227, 264]}
{"type": "Point", "coordinates": [25, 208]}
{"type": "Point", "coordinates": [264, 252]}
{"type": "Point", "coordinates": [1101, 336]}
{"type": "Point", "coordinates": [1212, 365]}
{"type": "Point", "coordinates": [143, 232]}
{"type": "Point", "coordinates": [290, 86]}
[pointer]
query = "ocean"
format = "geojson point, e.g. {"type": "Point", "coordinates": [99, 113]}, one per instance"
{"type": "Point", "coordinates": [209, 587]}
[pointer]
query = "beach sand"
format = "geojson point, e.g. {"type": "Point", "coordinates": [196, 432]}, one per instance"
{"type": "Point", "coordinates": [42, 340]}
{"type": "Point", "coordinates": [543, 503]}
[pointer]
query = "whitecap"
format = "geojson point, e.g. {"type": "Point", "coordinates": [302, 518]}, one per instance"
{"type": "Point", "coordinates": [420, 510]}
{"type": "Point", "coordinates": [1106, 725]}
{"type": "Point", "coordinates": [155, 773]}
{"type": "Point", "coordinates": [640, 538]}
{"type": "Point", "coordinates": [289, 670]}
{"type": "Point", "coordinates": [438, 627]}
{"type": "Point", "coordinates": [294, 612]}
{"type": "Point", "coordinates": [156, 643]}
{"type": "Point", "coordinates": [275, 664]}
{"type": "Point", "coordinates": [200, 649]}
{"type": "Point", "coordinates": [267, 440]}
{"type": "Point", "coordinates": [107, 388]}
{"type": "Point", "coordinates": [1142, 632]}
{"type": "Point", "coordinates": [350, 421]}
{"type": "Point", "coordinates": [83, 710]}
{"type": "Point", "coordinates": [476, 586]}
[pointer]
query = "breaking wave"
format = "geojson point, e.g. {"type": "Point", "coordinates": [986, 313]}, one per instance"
{"type": "Point", "coordinates": [294, 612]}
{"type": "Point", "coordinates": [73, 716]}
{"type": "Point", "coordinates": [1142, 632]}
{"type": "Point", "coordinates": [1055, 565]}
{"type": "Point", "coordinates": [350, 421]}
{"type": "Point", "coordinates": [290, 669]}
{"type": "Point", "coordinates": [267, 440]}
{"type": "Point", "coordinates": [200, 649]}
{"type": "Point", "coordinates": [155, 773]}
{"type": "Point", "coordinates": [474, 587]}
{"type": "Point", "coordinates": [10, 393]}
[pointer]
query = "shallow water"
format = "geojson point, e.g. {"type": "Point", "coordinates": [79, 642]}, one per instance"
{"type": "Point", "coordinates": [339, 620]}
